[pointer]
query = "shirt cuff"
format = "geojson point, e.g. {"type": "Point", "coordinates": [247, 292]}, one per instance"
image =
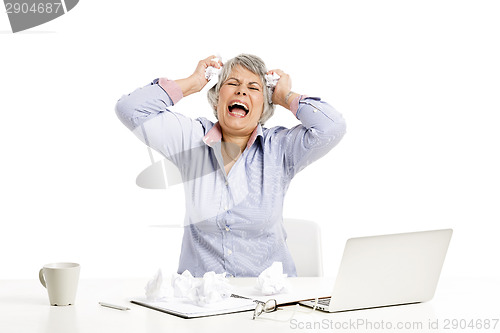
{"type": "Point", "coordinates": [294, 106]}
{"type": "Point", "coordinates": [171, 88]}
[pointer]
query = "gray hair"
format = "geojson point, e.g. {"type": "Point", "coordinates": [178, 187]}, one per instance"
{"type": "Point", "coordinates": [255, 65]}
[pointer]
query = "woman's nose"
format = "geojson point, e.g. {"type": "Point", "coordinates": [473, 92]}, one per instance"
{"type": "Point", "coordinates": [241, 91]}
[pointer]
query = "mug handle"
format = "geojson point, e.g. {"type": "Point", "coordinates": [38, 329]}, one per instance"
{"type": "Point", "coordinates": [42, 279]}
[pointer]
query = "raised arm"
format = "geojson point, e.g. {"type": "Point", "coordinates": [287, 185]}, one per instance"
{"type": "Point", "coordinates": [196, 81]}
{"type": "Point", "coordinates": [322, 126]}
{"type": "Point", "coordinates": [155, 98]}
{"type": "Point", "coordinates": [146, 112]}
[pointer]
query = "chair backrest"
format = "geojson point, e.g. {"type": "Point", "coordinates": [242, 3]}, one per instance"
{"type": "Point", "coordinates": [304, 243]}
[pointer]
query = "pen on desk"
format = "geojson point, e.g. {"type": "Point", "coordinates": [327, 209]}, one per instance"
{"type": "Point", "coordinates": [117, 307]}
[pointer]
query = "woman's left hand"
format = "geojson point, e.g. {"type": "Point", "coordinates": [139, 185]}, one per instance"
{"type": "Point", "coordinates": [281, 94]}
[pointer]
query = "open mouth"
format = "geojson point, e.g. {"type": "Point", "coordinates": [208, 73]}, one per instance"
{"type": "Point", "coordinates": [238, 109]}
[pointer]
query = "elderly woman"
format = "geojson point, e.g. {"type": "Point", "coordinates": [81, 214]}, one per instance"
{"type": "Point", "coordinates": [235, 171]}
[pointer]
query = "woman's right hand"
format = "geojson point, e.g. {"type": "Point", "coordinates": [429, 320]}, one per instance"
{"type": "Point", "coordinates": [196, 81]}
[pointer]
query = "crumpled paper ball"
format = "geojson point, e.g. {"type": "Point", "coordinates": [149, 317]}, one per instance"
{"type": "Point", "coordinates": [212, 74]}
{"type": "Point", "coordinates": [183, 283]}
{"type": "Point", "coordinates": [272, 280]}
{"type": "Point", "coordinates": [210, 289]}
{"type": "Point", "coordinates": [157, 290]}
{"type": "Point", "coordinates": [271, 82]}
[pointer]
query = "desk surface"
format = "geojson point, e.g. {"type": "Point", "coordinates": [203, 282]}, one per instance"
{"type": "Point", "coordinates": [24, 307]}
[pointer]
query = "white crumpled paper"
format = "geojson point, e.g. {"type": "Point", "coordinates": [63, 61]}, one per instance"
{"type": "Point", "coordinates": [183, 283]}
{"type": "Point", "coordinates": [210, 289]}
{"type": "Point", "coordinates": [272, 280]}
{"type": "Point", "coordinates": [212, 74]}
{"type": "Point", "coordinates": [271, 82]}
{"type": "Point", "coordinates": [157, 290]}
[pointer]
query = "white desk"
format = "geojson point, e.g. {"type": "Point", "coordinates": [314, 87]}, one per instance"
{"type": "Point", "coordinates": [24, 307]}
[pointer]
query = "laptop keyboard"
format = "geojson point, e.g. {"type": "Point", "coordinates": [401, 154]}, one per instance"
{"type": "Point", "coordinates": [324, 301]}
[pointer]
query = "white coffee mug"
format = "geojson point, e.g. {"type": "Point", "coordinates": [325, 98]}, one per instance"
{"type": "Point", "coordinates": [61, 281]}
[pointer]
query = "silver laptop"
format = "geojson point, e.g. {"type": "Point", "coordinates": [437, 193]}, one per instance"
{"type": "Point", "coordinates": [387, 270]}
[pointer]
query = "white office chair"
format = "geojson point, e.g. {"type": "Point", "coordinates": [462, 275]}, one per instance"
{"type": "Point", "coordinates": [304, 243]}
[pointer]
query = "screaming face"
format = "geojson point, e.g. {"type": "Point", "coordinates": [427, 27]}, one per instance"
{"type": "Point", "coordinates": [241, 102]}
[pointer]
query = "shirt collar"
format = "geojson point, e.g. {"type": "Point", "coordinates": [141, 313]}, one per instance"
{"type": "Point", "coordinates": [215, 135]}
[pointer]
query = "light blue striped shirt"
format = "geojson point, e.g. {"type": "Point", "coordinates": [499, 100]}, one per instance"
{"type": "Point", "coordinates": [233, 222]}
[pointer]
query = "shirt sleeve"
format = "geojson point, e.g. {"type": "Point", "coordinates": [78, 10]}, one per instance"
{"type": "Point", "coordinates": [146, 112]}
{"type": "Point", "coordinates": [322, 129]}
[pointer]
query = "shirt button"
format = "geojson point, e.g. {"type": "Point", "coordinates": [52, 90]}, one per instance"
{"type": "Point", "coordinates": [227, 228]}
{"type": "Point", "coordinates": [227, 183]}
{"type": "Point", "coordinates": [229, 252]}
{"type": "Point", "coordinates": [225, 207]}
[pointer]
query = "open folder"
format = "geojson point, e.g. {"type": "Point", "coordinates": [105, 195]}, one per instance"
{"type": "Point", "coordinates": [302, 289]}
{"type": "Point", "coordinates": [186, 309]}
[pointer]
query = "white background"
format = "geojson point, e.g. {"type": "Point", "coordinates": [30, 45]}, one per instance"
{"type": "Point", "coordinates": [417, 82]}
